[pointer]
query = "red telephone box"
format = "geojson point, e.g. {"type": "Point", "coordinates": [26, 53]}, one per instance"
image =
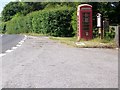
{"type": "Point", "coordinates": [84, 15]}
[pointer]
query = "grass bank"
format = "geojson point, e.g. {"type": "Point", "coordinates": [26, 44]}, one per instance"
{"type": "Point", "coordinates": [94, 43]}
{"type": "Point", "coordinates": [72, 41]}
{"type": "Point", "coordinates": [34, 34]}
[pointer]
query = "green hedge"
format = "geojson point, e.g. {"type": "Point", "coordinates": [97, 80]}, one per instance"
{"type": "Point", "coordinates": [55, 22]}
{"type": "Point", "coordinates": [74, 23]}
{"type": "Point", "coordinates": [3, 27]}
{"type": "Point", "coordinates": [22, 24]}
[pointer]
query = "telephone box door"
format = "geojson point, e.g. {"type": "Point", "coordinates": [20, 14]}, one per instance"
{"type": "Point", "coordinates": [86, 25]}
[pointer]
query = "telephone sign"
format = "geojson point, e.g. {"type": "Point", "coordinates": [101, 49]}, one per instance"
{"type": "Point", "coordinates": [84, 16]}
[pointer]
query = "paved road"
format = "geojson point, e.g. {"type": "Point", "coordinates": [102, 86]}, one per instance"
{"type": "Point", "coordinates": [8, 41]}
{"type": "Point", "coordinates": [42, 63]}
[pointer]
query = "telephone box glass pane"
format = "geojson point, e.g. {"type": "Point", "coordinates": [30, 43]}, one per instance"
{"type": "Point", "coordinates": [85, 20]}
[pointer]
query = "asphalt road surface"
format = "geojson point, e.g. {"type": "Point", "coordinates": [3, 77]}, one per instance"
{"type": "Point", "coordinates": [43, 63]}
{"type": "Point", "coordinates": [8, 41]}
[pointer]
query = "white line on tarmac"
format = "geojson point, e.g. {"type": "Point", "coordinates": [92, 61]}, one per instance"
{"type": "Point", "coordinates": [25, 36]}
{"type": "Point", "coordinates": [1, 35]}
{"type": "Point", "coordinates": [2, 54]}
{"type": "Point", "coordinates": [13, 48]}
{"type": "Point", "coordinates": [18, 45]}
{"type": "Point", "coordinates": [8, 51]}
{"type": "Point", "coordinates": [21, 42]}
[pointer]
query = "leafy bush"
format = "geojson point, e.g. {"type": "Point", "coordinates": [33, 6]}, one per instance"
{"type": "Point", "coordinates": [29, 23]}
{"type": "Point", "coordinates": [15, 26]}
{"type": "Point", "coordinates": [21, 24]}
{"type": "Point", "coordinates": [95, 32]}
{"type": "Point", "coordinates": [55, 22]}
{"type": "Point", "coordinates": [74, 23]}
{"type": "Point", "coordinates": [2, 27]}
{"type": "Point", "coordinates": [110, 34]}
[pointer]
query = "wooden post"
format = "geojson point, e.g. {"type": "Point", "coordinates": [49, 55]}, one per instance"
{"type": "Point", "coordinates": [119, 36]}
{"type": "Point", "coordinates": [105, 26]}
{"type": "Point", "coordinates": [100, 30]}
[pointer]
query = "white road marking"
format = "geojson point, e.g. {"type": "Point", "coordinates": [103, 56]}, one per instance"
{"type": "Point", "coordinates": [1, 35]}
{"type": "Point", "coordinates": [8, 51]}
{"type": "Point", "coordinates": [21, 42]}
{"type": "Point", "coordinates": [13, 48]}
{"type": "Point", "coordinates": [18, 45]}
{"type": "Point", "coordinates": [2, 54]}
{"type": "Point", "coordinates": [25, 36]}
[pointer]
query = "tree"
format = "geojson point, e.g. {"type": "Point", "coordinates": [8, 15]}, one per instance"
{"type": "Point", "coordinates": [114, 13]}
{"type": "Point", "coordinates": [31, 6]}
{"type": "Point", "coordinates": [10, 10]}
{"type": "Point", "coordinates": [109, 10]}
{"type": "Point", "coordinates": [20, 8]}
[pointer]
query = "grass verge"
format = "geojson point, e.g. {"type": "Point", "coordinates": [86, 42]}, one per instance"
{"type": "Point", "coordinates": [72, 41]}
{"type": "Point", "coordinates": [94, 43]}
{"type": "Point", "coordinates": [33, 34]}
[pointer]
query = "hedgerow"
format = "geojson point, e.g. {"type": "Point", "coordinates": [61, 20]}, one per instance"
{"type": "Point", "coordinates": [54, 22]}
{"type": "Point", "coordinates": [3, 27]}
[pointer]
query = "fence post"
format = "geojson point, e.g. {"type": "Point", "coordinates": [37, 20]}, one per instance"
{"type": "Point", "coordinates": [117, 35]}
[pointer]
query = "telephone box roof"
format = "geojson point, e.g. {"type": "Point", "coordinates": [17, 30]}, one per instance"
{"type": "Point", "coordinates": [84, 5]}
